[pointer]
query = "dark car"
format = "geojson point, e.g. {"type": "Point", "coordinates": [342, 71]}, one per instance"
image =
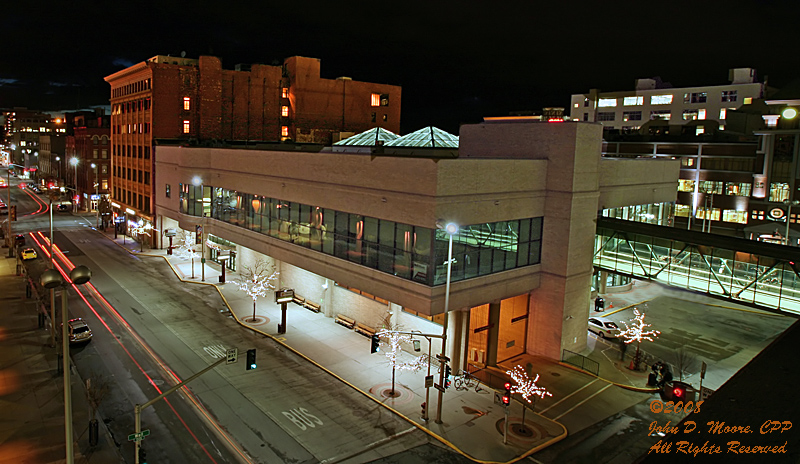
{"type": "Point", "coordinates": [62, 208]}
{"type": "Point", "coordinates": [19, 240]}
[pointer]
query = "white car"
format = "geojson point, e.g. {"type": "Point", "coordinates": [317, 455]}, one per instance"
{"type": "Point", "coordinates": [604, 327]}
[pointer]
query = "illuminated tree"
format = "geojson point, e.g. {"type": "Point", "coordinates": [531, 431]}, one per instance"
{"type": "Point", "coordinates": [142, 230]}
{"type": "Point", "coordinates": [395, 340]}
{"type": "Point", "coordinates": [256, 280]}
{"type": "Point", "coordinates": [526, 387]}
{"type": "Point", "coordinates": [637, 333]}
{"type": "Point", "coordinates": [187, 248]}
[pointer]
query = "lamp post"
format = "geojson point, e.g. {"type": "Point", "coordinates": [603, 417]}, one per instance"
{"type": "Point", "coordinates": [451, 229]}
{"type": "Point", "coordinates": [74, 162]}
{"type": "Point", "coordinates": [96, 194]}
{"type": "Point", "coordinates": [52, 279]}
{"type": "Point", "coordinates": [789, 204]}
{"type": "Point", "coordinates": [198, 182]}
{"type": "Point", "coordinates": [8, 186]}
{"type": "Point", "coordinates": [58, 169]}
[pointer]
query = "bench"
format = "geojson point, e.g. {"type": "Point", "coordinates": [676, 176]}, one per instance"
{"type": "Point", "coordinates": [312, 306]}
{"type": "Point", "coordinates": [345, 321]}
{"type": "Point", "coordinates": [365, 330]}
{"type": "Point", "coordinates": [297, 299]}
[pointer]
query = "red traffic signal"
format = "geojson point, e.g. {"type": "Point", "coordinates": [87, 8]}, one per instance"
{"type": "Point", "coordinates": [507, 394]}
{"type": "Point", "coordinates": [679, 393]}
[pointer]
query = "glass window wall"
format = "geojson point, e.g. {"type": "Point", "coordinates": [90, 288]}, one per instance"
{"type": "Point", "coordinates": [404, 250]}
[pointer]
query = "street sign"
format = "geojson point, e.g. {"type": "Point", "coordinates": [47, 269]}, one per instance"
{"type": "Point", "coordinates": [439, 387]}
{"type": "Point", "coordinates": [233, 354]}
{"type": "Point", "coordinates": [428, 381]}
{"type": "Point", "coordinates": [138, 436]}
{"type": "Point", "coordinates": [284, 295]}
{"type": "Point", "coordinates": [705, 393]}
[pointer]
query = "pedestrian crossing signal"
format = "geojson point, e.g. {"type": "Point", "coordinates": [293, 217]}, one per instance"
{"type": "Point", "coordinates": [376, 344]}
{"type": "Point", "coordinates": [251, 359]}
{"type": "Point", "coordinates": [507, 394]}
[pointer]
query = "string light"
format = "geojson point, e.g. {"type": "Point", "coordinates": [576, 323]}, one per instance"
{"type": "Point", "coordinates": [636, 333]}
{"type": "Point", "coordinates": [525, 386]}
{"type": "Point", "coordinates": [256, 281]}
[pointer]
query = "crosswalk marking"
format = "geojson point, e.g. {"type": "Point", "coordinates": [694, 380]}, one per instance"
{"type": "Point", "coordinates": [215, 351]}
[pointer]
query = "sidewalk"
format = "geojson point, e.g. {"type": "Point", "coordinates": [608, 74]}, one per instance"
{"type": "Point", "coordinates": [32, 390]}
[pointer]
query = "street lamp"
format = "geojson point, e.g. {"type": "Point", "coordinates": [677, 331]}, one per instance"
{"type": "Point", "coordinates": [74, 162]}
{"type": "Point", "coordinates": [198, 182]}
{"type": "Point", "coordinates": [451, 229]}
{"type": "Point", "coordinates": [8, 184]}
{"type": "Point", "coordinates": [96, 194]}
{"type": "Point", "coordinates": [52, 279]}
{"type": "Point", "coordinates": [789, 204]}
{"type": "Point", "coordinates": [58, 169]}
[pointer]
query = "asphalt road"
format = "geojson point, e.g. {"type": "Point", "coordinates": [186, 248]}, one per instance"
{"type": "Point", "coordinates": [287, 410]}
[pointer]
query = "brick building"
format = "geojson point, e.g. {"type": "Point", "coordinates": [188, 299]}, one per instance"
{"type": "Point", "coordinates": [88, 142]}
{"type": "Point", "coordinates": [195, 99]}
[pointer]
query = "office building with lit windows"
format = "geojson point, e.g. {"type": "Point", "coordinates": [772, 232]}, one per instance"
{"type": "Point", "coordinates": [361, 231]}
{"type": "Point", "coordinates": [23, 128]}
{"type": "Point", "coordinates": [196, 99]}
{"type": "Point", "coordinates": [653, 99]}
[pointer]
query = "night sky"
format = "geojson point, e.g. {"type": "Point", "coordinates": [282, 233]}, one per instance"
{"type": "Point", "coordinates": [456, 61]}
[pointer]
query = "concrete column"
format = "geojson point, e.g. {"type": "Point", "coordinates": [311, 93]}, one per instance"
{"type": "Point", "coordinates": [394, 314]}
{"type": "Point", "coordinates": [493, 337]}
{"type": "Point", "coordinates": [601, 287]}
{"type": "Point", "coordinates": [327, 299]}
{"type": "Point", "coordinates": [457, 337]}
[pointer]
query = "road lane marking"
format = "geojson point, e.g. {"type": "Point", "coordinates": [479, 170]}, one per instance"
{"type": "Point", "coordinates": [566, 397]}
{"type": "Point", "coordinates": [587, 399]}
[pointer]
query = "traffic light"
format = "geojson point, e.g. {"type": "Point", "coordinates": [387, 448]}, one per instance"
{"type": "Point", "coordinates": [424, 407]}
{"type": "Point", "coordinates": [251, 359]}
{"type": "Point", "coordinates": [507, 394]}
{"type": "Point", "coordinates": [678, 393]}
{"type": "Point", "coordinates": [376, 344]}
{"type": "Point", "coordinates": [142, 456]}
{"type": "Point", "coordinates": [198, 234]}
{"type": "Point", "coordinates": [13, 210]}
{"type": "Point", "coordinates": [447, 373]}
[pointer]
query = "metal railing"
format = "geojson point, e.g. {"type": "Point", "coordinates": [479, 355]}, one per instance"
{"type": "Point", "coordinates": [580, 361]}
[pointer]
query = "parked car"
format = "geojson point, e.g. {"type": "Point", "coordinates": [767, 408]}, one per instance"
{"type": "Point", "coordinates": [28, 253]}
{"type": "Point", "coordinates": [19, 240]}
{"type": "Point", "coordinates": [63, 208]}
{"type": "Point", "coordinates": [604, 327]}
{"type": "Point", "coordinates": [79, 331]}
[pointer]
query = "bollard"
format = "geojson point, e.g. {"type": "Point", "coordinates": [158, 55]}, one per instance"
{"type": "Point", "coordinates": [94, 432]}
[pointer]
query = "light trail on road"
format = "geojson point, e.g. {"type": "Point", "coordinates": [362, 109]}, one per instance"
{"type": "Point", "coordinates": [111, 311]}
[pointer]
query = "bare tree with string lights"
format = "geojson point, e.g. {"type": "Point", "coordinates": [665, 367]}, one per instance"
{"type": "Point", "coordinates": [636, 333]}
{"type": "Point", "coordinates": [526, 387]}
{"type": "Point", "coordinates": [256, 280]}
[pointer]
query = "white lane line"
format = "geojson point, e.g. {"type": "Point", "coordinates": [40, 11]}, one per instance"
{"type": "Point", "coordinates": [566, 397]}
{"type": "Point", "coordinates": [587, 399]}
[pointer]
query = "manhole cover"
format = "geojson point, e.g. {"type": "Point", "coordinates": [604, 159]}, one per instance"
{"type": "Point", "coordinates": [521, 430]}
{"type": "Point", "coordinates": [555, 374]}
